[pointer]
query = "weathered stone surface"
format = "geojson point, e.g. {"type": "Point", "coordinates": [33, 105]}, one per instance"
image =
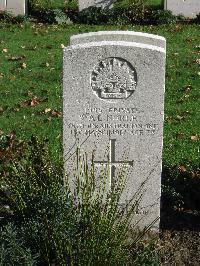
{"type": "Point", "coordinates": [187, 8]}
{"type": "Point", "coordinates": [98, 3]}
{"type": "Point", "coordinates": [114, 101]}
{"type": "Point", "coordinates": [16, 7]}
{"type": "Point", "coordinates": [2, 4]}
{"type": "Point", "coordinates": [127, 36]}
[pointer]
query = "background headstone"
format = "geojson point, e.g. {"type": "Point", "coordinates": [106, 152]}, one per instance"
{"type": "Point", "coordinates": [16, 7]}
{"type": "Point", "coordinates": [97, 3]}
{"type": "Point", "coordinates": [114, 102]}
{"type": "Point", "coordinates": [187, 8]}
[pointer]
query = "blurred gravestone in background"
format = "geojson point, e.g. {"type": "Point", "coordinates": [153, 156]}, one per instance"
{"type": "Point", "coordinates": [187, 8]}
{"type": "Point", "coordinates": [16, 7]}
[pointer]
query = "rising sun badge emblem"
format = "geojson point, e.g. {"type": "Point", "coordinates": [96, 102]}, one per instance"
{"type": "Point", "coordinates": [114, 78]}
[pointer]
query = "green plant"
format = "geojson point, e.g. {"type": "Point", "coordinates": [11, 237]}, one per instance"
{"type": "Point", "coordinates": [198, 18]}
{"type": "Point", "coordinates": [71, 5]}
{"type": "Point", "coordinates": [133, 9]}
{"type": "Point", "coordinates": [163, 17]}
{"type": "Point", "coordinates": [9, 18]}
{"type": "Point", "coordinates": [12, 249]}
{"type": "Point", "coordinates": [60, 17]}
{"type": "Point", "coordinates": [41, 5]}
{"type": "Point", "coordinates": [6, 16]}
{"type": "Point", "coordinates": [48, 223]}
{"type": "Point", "coordinates": [92, 15]}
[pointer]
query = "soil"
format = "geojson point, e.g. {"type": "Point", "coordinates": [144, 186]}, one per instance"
{"type": "Point", "coordinates": [180, 237]}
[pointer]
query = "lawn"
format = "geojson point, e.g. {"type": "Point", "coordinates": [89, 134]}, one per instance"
{"type": "Point", "coordinates": [31, 84]}
{"type": "Point", "coordinates": [31, 104]}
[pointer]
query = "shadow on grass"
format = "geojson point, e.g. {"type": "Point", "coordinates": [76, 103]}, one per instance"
{"type": "Point", "coordinates": [180, 199]}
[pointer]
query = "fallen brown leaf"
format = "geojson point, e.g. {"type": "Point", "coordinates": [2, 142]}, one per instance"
{"type": "Point", "coordinates": [182, 169]}
{"type": "Point", "coordinates": [29, 94]}
{"type": "Point", "coordinates": [23, 65]}
{"type": "Point", "coordinates": [198, 61]}
{"type": "Point", "coordinates": [187, 88]}
{"type": "Point", "coordinates": [51, 112]}
{"type": "Point", "coordinates": [47, 110]}
{"type": "Point", "coordinates": [16, 58]}
{"type": "Point", "coordinates": [169, 119]}
{"type": "Point", "coordinates": [180, 135]}
{"type": "Point", "coordinates": [179, 117]}
{"type": "Point", "coordinates": [35, 101]}
{"type": "Point", "coordinates": [195, 137]}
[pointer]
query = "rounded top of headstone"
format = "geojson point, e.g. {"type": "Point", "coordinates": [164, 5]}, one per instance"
{"type": "Point", "coordinates": [126, 36]}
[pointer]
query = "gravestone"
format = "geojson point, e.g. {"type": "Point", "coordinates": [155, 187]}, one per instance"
{"type": "Point", "coordinates": [97, 3]}
{"type": "Point", "coordinates": [16, 7]}
{"type": "Point", "coordinates": [187, 8]}
{"type": "Point", "coordinates": [113, 93]}
{"type": "Point", "coordinates": [128, 36]}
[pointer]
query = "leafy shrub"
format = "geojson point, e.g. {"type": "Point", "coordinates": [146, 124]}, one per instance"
{"type": "Point", "coordinates": [91, 15]}
{"type": "Point", "coordinates": [9, 18]}
{"type": "Point", "coordinates": [163, 17]}
{"type": "Point", "coordinates": [198, 18]}
{"type": "Point", "coordinates": [56, 16]}
{"type": "Point", "coordinates": [134, 9]}
{"type": "Point", "coordinates": [71, 5]}
{"type": "Point", "coordinates": [124, 12]}
{"type": "Point", "coordinates": [12, 250]}
{"type": "Point", "coordinates": [61, 17]}
{"type": "Point", "coordinates": [49, 11]}
{"type": "Point", "coordinates": [6, 16]}
{"type": "Point", "coordinates": [43, 223]}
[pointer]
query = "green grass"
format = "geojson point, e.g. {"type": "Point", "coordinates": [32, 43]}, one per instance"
{"type": "Point", "coordinates": [48, 3]}
{"type": "Point", "coordinates": [157, 3]}
{"type": "Point", "coordinates": [39, 48]}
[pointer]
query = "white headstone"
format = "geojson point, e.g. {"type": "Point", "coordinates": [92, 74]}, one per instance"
{"type": "Point", "coordinates": [97, 3]}
{"type": "Point", "coordinates": [187, 8]}
{"type": "Point", "coordinates": [16, 7]}
{"type": "Point", "coordinates": [114, 101]}
{"type": "Point", "coordinates": [128, 36]}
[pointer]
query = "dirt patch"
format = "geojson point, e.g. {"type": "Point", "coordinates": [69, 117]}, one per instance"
{"type": "Point", "coordinates": [180, 248]}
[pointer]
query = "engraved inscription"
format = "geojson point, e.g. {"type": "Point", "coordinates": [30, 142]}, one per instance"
{"type": "Point", "coordinates": [114, 122]}
{"type": "Point", "coordinates": [114, 78]}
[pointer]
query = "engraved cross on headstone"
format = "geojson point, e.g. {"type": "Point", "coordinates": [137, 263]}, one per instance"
{"type": "Point", "coordinates": [112, 163]}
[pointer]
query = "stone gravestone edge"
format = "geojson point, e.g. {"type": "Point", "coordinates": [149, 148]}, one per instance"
{"type": "Point", "coordinates": [114, 101]}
